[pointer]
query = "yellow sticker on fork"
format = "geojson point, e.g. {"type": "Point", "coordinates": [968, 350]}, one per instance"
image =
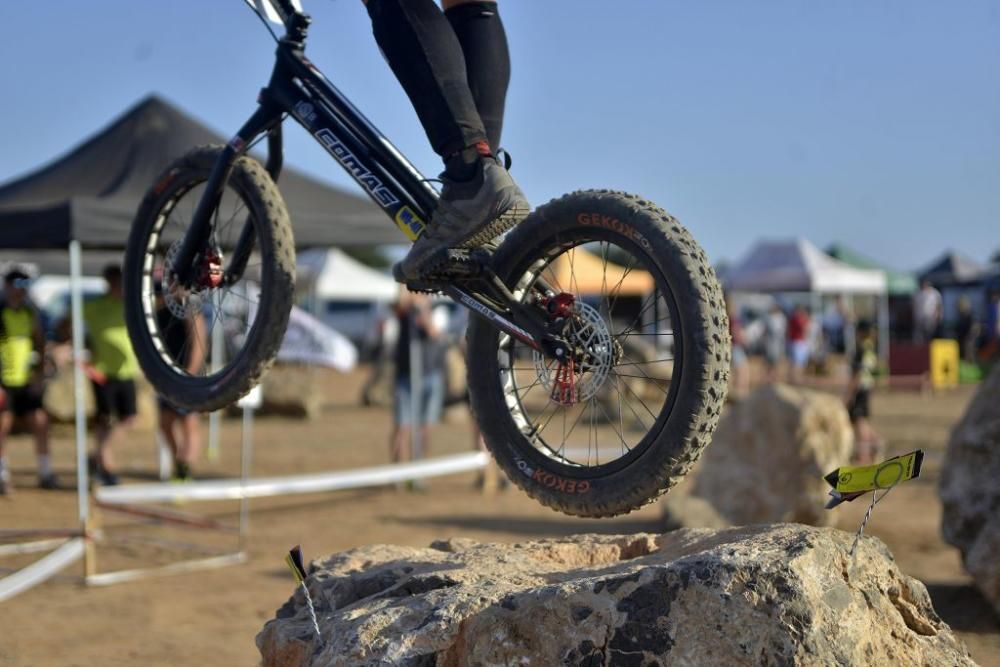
{"type": "Point", "coordinates": [409, 222]}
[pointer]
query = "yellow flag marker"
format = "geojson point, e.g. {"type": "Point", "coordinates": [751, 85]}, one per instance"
{"type": "Point", "coordinates": [849, 482]}
{"type": "Point", "coordinates": [293, 559]}
{"type": "Point", "coordinates": [294, 562]}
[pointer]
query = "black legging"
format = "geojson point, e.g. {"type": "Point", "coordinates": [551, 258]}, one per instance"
{"type": "Point", "coordinates": [455, 70]}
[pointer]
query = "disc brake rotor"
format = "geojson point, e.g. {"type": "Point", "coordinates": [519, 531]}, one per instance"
{"type": "Point", "coordinates": [581, 375]}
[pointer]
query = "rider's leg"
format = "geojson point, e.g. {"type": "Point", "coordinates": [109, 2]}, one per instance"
{"type": "Point", "coordinates": [479, 199]}
{"type": "Point", "coordinates": [487, 59]}
{"type": "Point", "coordinates": [425, 55]}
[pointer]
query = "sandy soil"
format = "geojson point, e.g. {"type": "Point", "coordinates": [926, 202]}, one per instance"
{"type": "Point", "coordinates": [212, 617]}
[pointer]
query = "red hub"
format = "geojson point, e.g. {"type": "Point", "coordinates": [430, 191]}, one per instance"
{"type": "Point", "coordinates": [560, 305]}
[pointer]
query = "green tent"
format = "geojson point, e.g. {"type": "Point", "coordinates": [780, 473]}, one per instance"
{"type": "Point", "coordinates": [898, 283]}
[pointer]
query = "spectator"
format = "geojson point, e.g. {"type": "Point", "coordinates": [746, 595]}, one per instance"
{"type": "Point", "coordinates": [112, 371]}
{"type": "Point", "coordinates": [867, 443]}
{"type": "Point", "coordinates": [775, 327]}
{"type": "Point", "coordinates": [741, 367]}
{"type": "Point", "coordinates": [966, 329]}
{"type": "Point", "coordinates": [990, 336]}
{"type": "Point", "coordinates": [834, 326]}
{"type": "Point", "coordinates": [187, 343]}
{"type": "Point", "coordinates": [927, 312]}
{"type": "Point", "coordinates": [798, 343]}
{"type": "Point", "coordinates": [22, 358]}
{"type": "Point", "coordinates": [421, 330]}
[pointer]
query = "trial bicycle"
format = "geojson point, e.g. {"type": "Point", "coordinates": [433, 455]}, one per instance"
{"type": "Point", "coordinates": [598, 346]}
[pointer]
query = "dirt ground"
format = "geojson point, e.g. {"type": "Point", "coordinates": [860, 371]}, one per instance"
{"type": "Point", "coordinates": [212, 617]}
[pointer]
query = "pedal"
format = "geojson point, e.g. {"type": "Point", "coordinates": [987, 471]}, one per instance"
{"type": "Point", "coordinates": [448, 265]}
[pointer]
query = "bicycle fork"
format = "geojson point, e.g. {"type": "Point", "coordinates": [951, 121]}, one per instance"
{"type": "Point", "coordinates": [266, 118]}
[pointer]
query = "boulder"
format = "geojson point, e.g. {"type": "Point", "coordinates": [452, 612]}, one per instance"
{"type": "Point", "coordinates": [682, 510]}
{"type": "Point", "coordinates": [293, 390]}
{"type": "Point", "coordinates": [59, 400]}
{"type": "Point", "coordinates": [775, 595]}
{"type": "Point", "coordinates": [768, 457]}
{"type": "Point", "coordinates": [970, 488]}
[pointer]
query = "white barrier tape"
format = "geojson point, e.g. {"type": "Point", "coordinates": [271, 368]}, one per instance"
{"type": "Point", "coordinates": [108, 578]}
{"type": "Point", "coordinates": [41, 569]}
{"type": "Point", "coordinates": [228, 489]}
{"type": "Point", "coordinates": [31, 547]}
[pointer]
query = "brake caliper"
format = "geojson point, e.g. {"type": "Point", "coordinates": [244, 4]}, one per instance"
{"type": "Point", "coordinates": [211, 269]}
{"type": "Point", "coordinates": [560, 309]}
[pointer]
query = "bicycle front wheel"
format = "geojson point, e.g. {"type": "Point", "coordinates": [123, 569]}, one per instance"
{"type": "Point", "coordinates": [205, 345]}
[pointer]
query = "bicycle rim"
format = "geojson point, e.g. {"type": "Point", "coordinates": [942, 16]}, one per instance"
{"type": "Point", "coordinates": [598, 413]}
{"type": "Point", "coordinates": [201, 333]}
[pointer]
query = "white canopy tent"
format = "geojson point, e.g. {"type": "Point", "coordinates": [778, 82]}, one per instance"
{"type": "Point", "coordinates": [797, 265]}
{"type": "Point", "coordinates": [330, 274]}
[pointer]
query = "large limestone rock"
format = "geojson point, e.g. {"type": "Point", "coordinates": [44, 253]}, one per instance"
{"type": "Point", "coordinates": [761, 595]}
{"type": "Point", "coordinates": [769, 455]}
{"type": "Point", "coordinates": [970, 488]}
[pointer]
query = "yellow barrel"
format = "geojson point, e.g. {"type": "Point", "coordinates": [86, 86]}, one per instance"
{"type": "Point", "coordinates": [944, 363]}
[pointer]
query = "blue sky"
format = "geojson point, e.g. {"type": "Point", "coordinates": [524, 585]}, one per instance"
{"type": "Point", "coordinates": [872, 122]}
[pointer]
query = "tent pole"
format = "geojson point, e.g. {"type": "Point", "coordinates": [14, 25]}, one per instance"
{"type": "Point", "coordinates": [76, 315]}
{"type": "Point", "coordinates": [850, 338]}
{"type": "Point", "coordinates": [883, 329]}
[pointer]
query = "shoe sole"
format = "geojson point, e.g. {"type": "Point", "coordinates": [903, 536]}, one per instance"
{"type": "Point", "coordinates": [477, 239]}
{"type": "Point", "coordinates": [502, 224]}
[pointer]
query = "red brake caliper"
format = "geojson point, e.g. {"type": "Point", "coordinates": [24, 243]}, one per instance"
{"type": "Point", "coordinates": [563, 391]}
{"type": "Point", "coordinates": [211, 269]}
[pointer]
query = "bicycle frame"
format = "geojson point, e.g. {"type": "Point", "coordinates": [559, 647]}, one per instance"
{"type": "Point", "coordinates": [298, 89]}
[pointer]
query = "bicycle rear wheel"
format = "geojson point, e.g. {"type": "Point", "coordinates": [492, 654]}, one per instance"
{"type": "Point", "coordinates": [622, 417]}
{"type": "Point", "coordinates": [203, 347]}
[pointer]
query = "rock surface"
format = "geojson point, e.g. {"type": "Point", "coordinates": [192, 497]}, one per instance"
{"type": "Point", "coordinates": [768, 457]}
{"type": "Point", "coordinates": [760, 595]}
{"type": "Point", "coordinates": [970, 489]}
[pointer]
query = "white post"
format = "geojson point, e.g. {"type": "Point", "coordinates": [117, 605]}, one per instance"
{"type": "Point", "coordinates": [416, 389]}
{"type": "Point", "coordinates": [247, 449]}
{"type": "Point", "coordinates": [850, 334]}
{"type": "Point", "coordinates": [163, 455]}
{"type": "Point", "coordinates": [883, 329]}
{"type": "Point", "coordinates": [79, 386]}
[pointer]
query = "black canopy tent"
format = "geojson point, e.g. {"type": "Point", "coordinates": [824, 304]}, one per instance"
{"type": "Point", "coordinates": [91, 194]}
{"type": "Point", "coordinates": [88, 197]}
{"type": "Point", "coordinates": [951, 268]}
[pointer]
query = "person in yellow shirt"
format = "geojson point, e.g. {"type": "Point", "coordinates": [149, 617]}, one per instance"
{"type": "Point", "coordinates": [112, 371]}
{"type": "Point", "coordinates": [22, 353]}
